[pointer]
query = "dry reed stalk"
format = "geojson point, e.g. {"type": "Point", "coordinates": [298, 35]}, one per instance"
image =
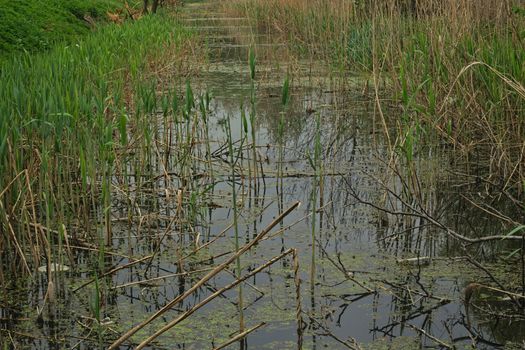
{"type": "Point", "coordinates": [186, 314]}
{"type": "Point", "coordinates": [516, 86]}
{"type": "Point", "coordinates": [205, 279]}
{"type": "Point", "coordinates": [11, 231]}
{"type": "Point", "coordinates": [473, 288]}
{"type": "Point", "coordinates": [34, 248]}
{"type": "Point", "coordinates": [23, 172]}
{"type": "Point", "coordinates": [240, 336]}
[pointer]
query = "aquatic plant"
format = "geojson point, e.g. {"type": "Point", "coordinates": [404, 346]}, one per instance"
{"type": "Point", "coordinates": [60, 113]}
{"type": "Point", "coordinates": [234, 157]}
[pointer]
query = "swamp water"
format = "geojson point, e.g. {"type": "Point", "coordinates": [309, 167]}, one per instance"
{"type": "Point", "coordinates": [366, 291]}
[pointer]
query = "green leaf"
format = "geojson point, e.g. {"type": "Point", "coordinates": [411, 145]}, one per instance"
{"type": "Point", "coordinates": [512, 253]}
{"type": "Point", "coordinates": [252, 63]}
{"type": "Point", "coordinates": [286, 92]}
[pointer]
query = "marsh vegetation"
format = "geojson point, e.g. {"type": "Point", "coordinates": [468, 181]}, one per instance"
{"type": "Point", "coordinates": [266, 174]}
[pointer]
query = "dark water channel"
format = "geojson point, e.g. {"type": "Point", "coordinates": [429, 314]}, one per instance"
{"type": "Point", "coordinates": [365, 294]}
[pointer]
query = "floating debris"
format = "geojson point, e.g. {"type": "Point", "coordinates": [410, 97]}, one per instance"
{"type": "Point", "coordinates": [53, 268]}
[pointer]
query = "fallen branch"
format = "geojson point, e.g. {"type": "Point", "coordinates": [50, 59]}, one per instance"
{"type": "Point", "coordinates": [417, 213]}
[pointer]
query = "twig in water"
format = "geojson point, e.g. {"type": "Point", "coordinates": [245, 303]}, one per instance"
{"type": "Point", "coordinates": [154, 279]}
{"type": "Point", "coordinates": [240, 336]}
{"type": "Point", "coordinates": [431, 337]}
{"type": "Point", "coordinates": [423, 215]}
{"type": "Point", "coordinates": [353, 346]}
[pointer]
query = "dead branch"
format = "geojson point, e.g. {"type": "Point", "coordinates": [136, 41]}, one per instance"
{"type": "Point", "coordinates": [423, 215]}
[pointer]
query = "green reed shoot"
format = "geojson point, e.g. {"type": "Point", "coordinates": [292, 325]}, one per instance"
{"type": "Point", "coordinates": [285, 98]}
{"type": "Point", "coordinates": [315, 184]}
{"type": "Point", "coordinates": [233, 160]}
{"type": "Point", "coordinates": [253, 113]}
{"type": "Point", "coordinates": [246, 129]}
{"type": "Point", "coordinates": [95, 300]}
{"type": "Point", "coordinates": [204, 105]}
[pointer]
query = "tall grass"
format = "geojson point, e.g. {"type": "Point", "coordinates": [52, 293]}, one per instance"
{"type": "Point", "coordinates": [66, 119]}
{"type": "Point", "coordinates": [422, 49]}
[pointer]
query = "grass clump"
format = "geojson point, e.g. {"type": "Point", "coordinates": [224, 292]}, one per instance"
{"type": "Point", "coordinates": [33, 25]}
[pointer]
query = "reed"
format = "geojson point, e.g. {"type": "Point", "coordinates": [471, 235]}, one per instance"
{"type": "Point", "coordinates": [67, 118]}
{"type": "Point", "coordinates": [253, 115]}
{"type": "Point", "coordinates": [423, 52]}
{"type": "Point", "coordinates": [95, 304]}
{"type": "Point", "coordinates": [233, 159]}
{"type": "Point", "coordinates": [285, 98]}
{"type": "Point", "coordinates": [315, 162]}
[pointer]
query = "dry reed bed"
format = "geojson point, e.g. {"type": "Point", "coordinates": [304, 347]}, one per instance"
{"type": "Point", "coordinates": [455, 67]}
